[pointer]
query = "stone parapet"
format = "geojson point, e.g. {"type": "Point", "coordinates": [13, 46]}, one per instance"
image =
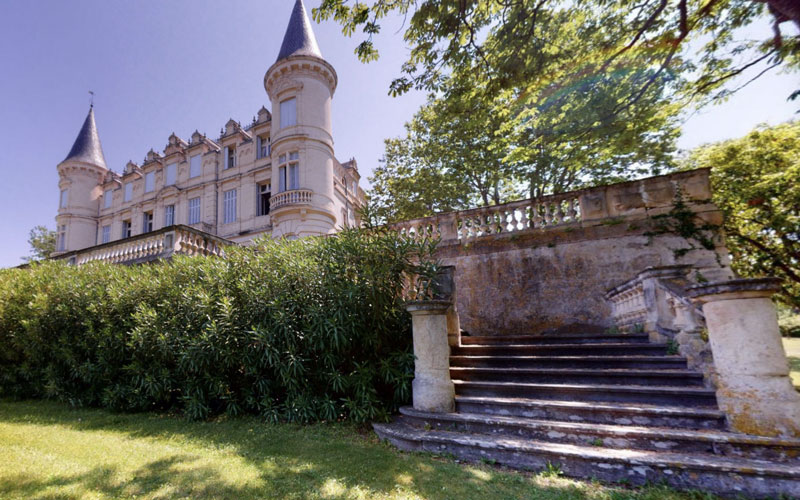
{"type": "Point", "coordinates": [615, 203]}
{"type": "Point", "coordinates": [160, 244]}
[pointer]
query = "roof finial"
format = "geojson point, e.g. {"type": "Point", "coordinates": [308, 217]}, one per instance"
{"type": "Point", "coordinates": [91, 102]}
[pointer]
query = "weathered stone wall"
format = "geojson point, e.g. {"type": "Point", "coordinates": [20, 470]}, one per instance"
{"type": "Point", "coordinates": [554, 278]}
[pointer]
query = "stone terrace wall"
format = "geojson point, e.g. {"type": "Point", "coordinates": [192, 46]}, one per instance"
{"type": "Point", "coordinates": [545, 265]}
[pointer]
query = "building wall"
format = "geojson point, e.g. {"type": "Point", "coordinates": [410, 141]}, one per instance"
{"type": "Point", "coordinates": [555, 279]}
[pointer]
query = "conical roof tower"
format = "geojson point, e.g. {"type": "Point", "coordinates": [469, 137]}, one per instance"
{"type": "Point", "coordinates": [299, 38]}
{"type": "Point", "coordinates": [87, 147]}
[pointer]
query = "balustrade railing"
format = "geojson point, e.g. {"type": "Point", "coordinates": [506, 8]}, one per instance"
{"type": "Point", "coordinates": [159, 244]}
{"type": "Point", "coordinates": [591, 206]}
{"type": "Point", "coordinates": [293, 197]}
{"type": "Point", "coordinates": [467, 225]}
{"type": "Point", "coordinates": [656, 301]}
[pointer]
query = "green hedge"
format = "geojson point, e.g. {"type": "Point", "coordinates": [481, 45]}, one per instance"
{"type": "Point", "coordinates": [300, 331]}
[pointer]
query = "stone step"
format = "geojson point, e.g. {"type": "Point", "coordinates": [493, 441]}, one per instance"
{"type": "Point", "coordinates": [636, 338]}
{"type": "Point", "coordinates": [712, 442]}
{"type": "Point", "coordinates": [577, 376]}
{"type": "Point", "coordinates": [679, 396]}
{"type": "Point", "coordinates": [566, 362]}
{"type": "Point", "coordinates": [595, 412]}
{"type": "Point", "coordinates": [722, 475]}
{"type": "Point", "coordinates": [615, 349]}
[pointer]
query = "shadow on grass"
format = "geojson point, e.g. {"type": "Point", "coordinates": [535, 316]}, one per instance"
{"type": "Point", "coordinates": [321, 461]}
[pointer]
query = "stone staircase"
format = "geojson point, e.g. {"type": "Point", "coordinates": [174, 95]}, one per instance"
{"type": "Point", "coordinates": [616, 408]}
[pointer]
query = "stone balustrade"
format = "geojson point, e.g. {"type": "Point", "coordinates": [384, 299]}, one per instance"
{"type": "Point", "coordinates": [159, 244]}
{"type": "Point", "coordinates": [657, 302]}
{"type": "Point", "coordinates": [512, 217]}
{"type": "Point", "coordinates": [591, 206]}
{"type": "Point", "coordinates": [293, 197]}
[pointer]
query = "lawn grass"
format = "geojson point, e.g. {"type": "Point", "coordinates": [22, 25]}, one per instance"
{"type": "Point", "coordinates": [792, 347]}
{"type": "Point", "coordinates": [48, 450]}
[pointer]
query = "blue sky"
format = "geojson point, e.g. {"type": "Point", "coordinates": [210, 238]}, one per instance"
{"type": "Point", "coordinates": [159, 67]}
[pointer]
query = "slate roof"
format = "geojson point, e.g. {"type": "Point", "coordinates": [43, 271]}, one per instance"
{"type": "Point", "coordinates": [299, 39]}
{"type": "Point", "coordinates": [87, 147]}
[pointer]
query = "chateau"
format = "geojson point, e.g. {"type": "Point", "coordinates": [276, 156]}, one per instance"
{"type": "Point", "coordinates": [276, 176]}
{"type": "Point", "coordinates": [583, 332]}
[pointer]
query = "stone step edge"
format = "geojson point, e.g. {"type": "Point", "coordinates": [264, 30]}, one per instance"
{"type": "Point", "coordinates": [667, 357]}
{"type": "Point", "coordinates": [631, 372]}
{"type": "Point", "coordinates": [649, 345]}
{"type": "Point", "coordinates": [639, 409]}
{"type": "Point", "coordinates": [562, 451]}
{"type": "Point", "coordinates": [616, 430]}
{"type": "Point", "coordinates": [558, 337]}
{"type": "Point", "coordinates": [637, 389]}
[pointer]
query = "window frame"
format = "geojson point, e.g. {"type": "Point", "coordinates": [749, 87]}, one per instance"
{"type": "Point", "coordinates": [189, 217]}
{"type": "Point", "coordinates": [105, 234]}
{"type": "Point", "coordinates": [199, 165]}
{"type": "Point", "coordinates": [285, 121]}
{"type": "Point", "coordinates": [229, 206]}
{"type": "Point", "coordinates": [150, 181]}
{"type": "Point", "coordinates": [263, 193]}
{"type": "Point", "coordinates": [61, 238]}
{"type": "Point", "coordinates": [173, 177]}
{"type": "Point", "coordinates": [169, 215]}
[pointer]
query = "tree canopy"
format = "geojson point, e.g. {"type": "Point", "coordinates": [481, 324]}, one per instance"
{"type": "Point", "coordinates": [42, 242]}
{"type": "Point", "coordinates": [755, 181]}
{"type": "Point", "coordinates": [505, 38]}
{"type": "Point", "coordinates": [476, 144]}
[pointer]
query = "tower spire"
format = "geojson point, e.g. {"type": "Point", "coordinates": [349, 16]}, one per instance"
{"type": "Point", "coordinates": [299, 38]}
{"type": "Point", "coordinates": [87, 147]}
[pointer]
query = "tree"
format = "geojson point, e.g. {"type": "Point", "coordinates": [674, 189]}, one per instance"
{"type": "Point", "coordinates": [42, 242]}
{"type": "Point", "coordinates": [755, 181]}
{"type": "Point", "coordinates": [501, 35]}
{"type": "Point", "coordinates": [474, 145]}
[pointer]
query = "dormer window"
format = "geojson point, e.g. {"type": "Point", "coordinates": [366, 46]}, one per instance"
{"type": "Point", "coordinates": [262, 146]}
{"type": "Point", "coordinates": [149, 182]}
{"type": "Point", "coordinates": [128, 191]}
{"type": "Point", "coordinates": [171, 174]}
{"type": "Point", "coordinates": [195, 167]}
{"type": "Point", "coordinates": [230, 156]}
{"type": "Point", "coordinates": [107, 196]}
{"type": "Point", "coordinates": [289, 112]}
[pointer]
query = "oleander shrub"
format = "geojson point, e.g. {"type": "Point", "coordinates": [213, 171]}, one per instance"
{"type": "Point", "coordinates": [301, 331]}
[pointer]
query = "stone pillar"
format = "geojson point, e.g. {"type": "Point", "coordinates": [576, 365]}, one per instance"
{"type": "Point", "coordinates": [753, 388]}
{"type": "Point", "coordinates": [444, 288]}
{"type": "Point", "coordinates": [432, 389]}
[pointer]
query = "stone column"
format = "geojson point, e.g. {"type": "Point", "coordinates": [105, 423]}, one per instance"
{"type": "Point", "coordinates": [753, 388]}
{"type": "Point", "coordinates": [432, 389]}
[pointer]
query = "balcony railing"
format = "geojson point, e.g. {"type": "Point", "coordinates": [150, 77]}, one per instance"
{"type": "Point", "coordinates": [293, 197]}
{"type": "Point", "coordinates": [159, 244]}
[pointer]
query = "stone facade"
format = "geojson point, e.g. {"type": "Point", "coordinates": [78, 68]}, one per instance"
{"type": "Point", "coordinates": [276, 176]}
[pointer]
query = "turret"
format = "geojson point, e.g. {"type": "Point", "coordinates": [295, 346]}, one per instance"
{"type": "Point", "coordinates": [81, 176]}
{"type": "Point", "coordinates": [300, 85]}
